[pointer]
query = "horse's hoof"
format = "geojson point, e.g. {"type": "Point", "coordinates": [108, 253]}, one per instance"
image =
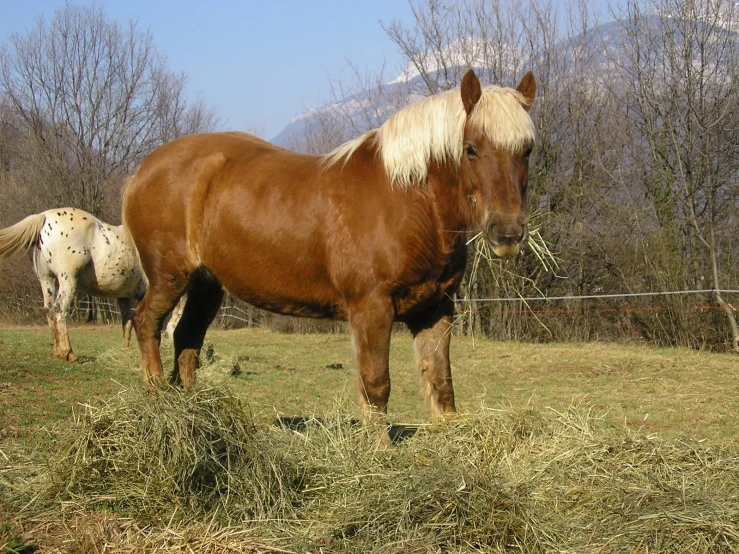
{"type": "Point", "coordinates": [71, 357]}
{"type": "Point", "coordinates": [156, 381]}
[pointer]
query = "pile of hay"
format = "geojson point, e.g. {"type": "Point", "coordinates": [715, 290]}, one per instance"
{"type": "Point", "coordinates": [169, 454]}
{"type": "Point", "coordinates": [529, 482]}
{"type": "Point", "coordinates": [493, 481]}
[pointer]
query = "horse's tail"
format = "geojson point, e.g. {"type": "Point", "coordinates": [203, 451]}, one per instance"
{"type": "Point", "coordinates": [21, 236]}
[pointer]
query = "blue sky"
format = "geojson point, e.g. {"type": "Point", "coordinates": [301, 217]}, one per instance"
{"type": "Point", "coordinates": [257, 63]}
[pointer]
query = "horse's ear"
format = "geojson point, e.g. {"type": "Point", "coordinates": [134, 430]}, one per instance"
{"type": "Point", "coordinates": [471, 90]}
{"type": "Point", "coordinates": [527, 87]}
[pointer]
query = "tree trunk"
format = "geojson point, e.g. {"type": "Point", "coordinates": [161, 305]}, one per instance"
{"type": "Point", "coordinates": [725, 306]}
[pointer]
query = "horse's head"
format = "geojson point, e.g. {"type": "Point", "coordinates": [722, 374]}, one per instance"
{"type": "Point", "coordinates": [495, 173]}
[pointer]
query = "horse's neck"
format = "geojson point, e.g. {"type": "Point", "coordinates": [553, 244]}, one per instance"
{"type": "Point", "coordinates": [127, 249]}
{"type": "Point", "coordinates": [451, 202]}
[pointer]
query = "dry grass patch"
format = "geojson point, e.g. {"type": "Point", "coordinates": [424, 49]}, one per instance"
{"type": "Point", "coordinates": [170, 471]}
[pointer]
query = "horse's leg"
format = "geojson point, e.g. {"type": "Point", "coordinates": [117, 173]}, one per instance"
{"type": "Point", "coordinates": [61, 310]}
{"type": "Point", "coordinates": [48, 290]}
{"type": "Point", "coordinates": [124, 305]}
{"type": "Point", "coordinates": [431, 337]}
{"type": "Point", "coordinates": [161, 296]}
{"type": "Point", "coordinates": [371, 323]}
{"type": "Point", "coordinates": [201, 307]}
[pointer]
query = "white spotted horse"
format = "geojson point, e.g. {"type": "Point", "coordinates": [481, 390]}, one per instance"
{"type": "Point", "coordinates": [73, 252]}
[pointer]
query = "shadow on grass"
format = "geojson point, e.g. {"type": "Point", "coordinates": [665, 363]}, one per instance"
{"type": "Point", "coordinates": [398, 433]}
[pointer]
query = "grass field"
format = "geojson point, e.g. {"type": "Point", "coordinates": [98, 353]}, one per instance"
{"type": "Point", "coordinates": [676, 452]}
{"type": "Point", "coordinates": [672, 392]}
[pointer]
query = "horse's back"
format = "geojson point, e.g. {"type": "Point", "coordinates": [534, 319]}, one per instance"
{"type": "Point", "coordinates": [230, 202]}
{"type": "Point", "coordinates": [177, 183]}
{"type": "Point", "coordinates": [181, 168]}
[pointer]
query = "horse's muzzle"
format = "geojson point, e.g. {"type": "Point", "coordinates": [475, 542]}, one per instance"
{"type": "Point", "coordinates": [506, 238]}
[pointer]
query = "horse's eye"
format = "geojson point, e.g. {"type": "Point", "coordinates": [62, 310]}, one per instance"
{"type": "Point", "coordinates": [471, 152]}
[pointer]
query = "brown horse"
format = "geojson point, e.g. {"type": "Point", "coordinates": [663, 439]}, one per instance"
{"type": "Point", "coordinates": [373, 232]}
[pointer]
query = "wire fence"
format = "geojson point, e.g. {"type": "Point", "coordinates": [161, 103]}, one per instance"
{"type": "Point", "coordinates": [663, 318]}
{"type": "Point", "coordinates": [598, 296]}
{"type": "Point", "coordinates": [238, 314]}
{"type": "Point", "coordinates": [530, 307]}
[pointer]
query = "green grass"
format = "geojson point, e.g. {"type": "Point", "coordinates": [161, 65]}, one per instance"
{"type": "Point", "coordinates": [38, 389]}
{"type": "Point", "coordinates": [671, 392]}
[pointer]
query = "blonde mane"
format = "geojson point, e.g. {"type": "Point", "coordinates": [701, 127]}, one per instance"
{"type": "Point", "coordinates": [433, 129]}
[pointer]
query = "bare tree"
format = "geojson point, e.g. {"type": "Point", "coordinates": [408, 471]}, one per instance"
{"type": "Point", "coordinates": [94, 97]}
{"type": "Point", "coordinates": [82, 101]}
{"type": "Point", "coordinates": [681, 77]}
{"type": "Point", "coordinates": [633, 181]}
{"type": "Point", "coordinates": [449, 37]}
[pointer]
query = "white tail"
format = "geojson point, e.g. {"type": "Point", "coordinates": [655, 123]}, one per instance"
{"type": "Point", "coordinates": [21, 236]}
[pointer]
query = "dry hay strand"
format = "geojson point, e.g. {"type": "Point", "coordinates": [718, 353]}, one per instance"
{"type": "Point", "coordinates": [171, 454]}
{"type": "Point", "coordinates": [80, 532]}
{"type": "Point", "coordinates": [414, 497]}
{"type": "Point", "coordinates": [163, 465]}
{"type": "Point", "coordinates": [501, 481]}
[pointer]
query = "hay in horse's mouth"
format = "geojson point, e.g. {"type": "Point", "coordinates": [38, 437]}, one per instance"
{"type": "Point", "coordinates": [534, 241]}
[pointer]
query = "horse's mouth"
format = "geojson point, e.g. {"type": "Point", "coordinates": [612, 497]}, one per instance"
{"type": "Point", "coordinates": [506, 251]}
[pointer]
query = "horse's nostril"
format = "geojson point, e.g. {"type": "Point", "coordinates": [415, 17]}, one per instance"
{"type": "Point", "coordinates": [509, 235]}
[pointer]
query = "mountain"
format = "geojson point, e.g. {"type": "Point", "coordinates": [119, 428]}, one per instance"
{"type": "Point", "coordinates": [352, 107]}
{"type": "Point", "coordinates": [603, 49]}
{"type": "Point", "coordinates": [405, 88]}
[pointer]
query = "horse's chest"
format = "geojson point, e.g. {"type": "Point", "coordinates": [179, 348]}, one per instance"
{"type": "Point", "coordinates": [434, 287]}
